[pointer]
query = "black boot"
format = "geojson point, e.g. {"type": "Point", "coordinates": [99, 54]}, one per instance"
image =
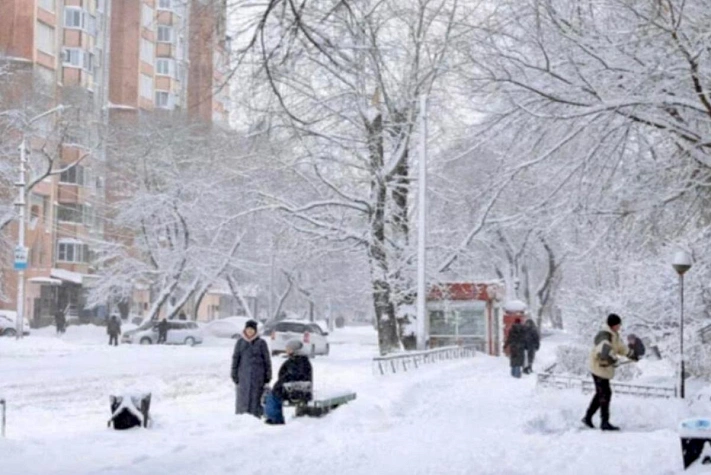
{"type": "Point", "coordinates": [607, 426]}
{"type": "Point", "coordinates": [587, 420]}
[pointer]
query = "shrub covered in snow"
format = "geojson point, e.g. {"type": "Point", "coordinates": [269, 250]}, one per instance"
{"type": "Point", "coordinates": [698, 361]}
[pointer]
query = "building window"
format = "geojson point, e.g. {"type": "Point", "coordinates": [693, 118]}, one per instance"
{"type": "Point", "coordinates": [146, 16]}
{"type": "Point", "coordinates": [164, 5]}
{"type": "Point", "coordinates": [148, 51]}
{"type": "Point", "coordinates": [74, 175]}
{"type": "Point", "coordinates": [165, 34]}
{"type": "Point", "coordinates": [69, 250]}
{"type": "Point", "coordinates": [70, 213]}
{"type": "Point", "coordinates": [73, 17]}
{"type": "Point", "coordinates": [100, 5]}
{"type": "Point", "coordinates": [45, 38]}
{"type": "Point", "coordinates": [165, 67]}
{"type": "Point", "coordinates": [165, 100]}
{"type": "Point", "coordinates": [146, 87]}
{"type": "Point", "coordinates": [76, 18]}
{"type": "Point", "coordinates": [78, 58]}
{"type": "Point", "coordinates": [47, 5]}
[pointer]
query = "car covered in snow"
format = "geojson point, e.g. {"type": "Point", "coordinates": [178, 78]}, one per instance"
{"type": "Point", "coordinates": [180, 332]}
{"type": "Point", "coordinates": [229, 327]}
{"type": "Point", "coordinates": [8, 324]}
{"type": "Point", "coordinates": [310, 334]}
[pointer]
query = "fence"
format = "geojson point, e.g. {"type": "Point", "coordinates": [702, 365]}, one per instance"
{"type": "Point", "coordinates": [564, 381]}
{"type": "Point", "coordinates": [412, 360]}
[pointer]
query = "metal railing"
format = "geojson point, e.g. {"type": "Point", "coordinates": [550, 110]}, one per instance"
{"type": "Point", "coordinates": [2, 422]}
{"type": "Point", "coordinates": [564, 381]}
{"type": "Point", "coordinates": [403, 362]}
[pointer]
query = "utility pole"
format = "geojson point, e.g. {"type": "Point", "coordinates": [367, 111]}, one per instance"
{"type": "Point", "coordinates": [422, 231]}
{"type": "Point", "coordinates": [21, 250]}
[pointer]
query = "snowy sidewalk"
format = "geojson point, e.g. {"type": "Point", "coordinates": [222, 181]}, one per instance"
{"type": "Point", "coordinates": [460, 417]}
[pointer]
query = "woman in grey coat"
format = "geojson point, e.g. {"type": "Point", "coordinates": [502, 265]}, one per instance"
{"type": "Point", "coordinates": [251, 370]}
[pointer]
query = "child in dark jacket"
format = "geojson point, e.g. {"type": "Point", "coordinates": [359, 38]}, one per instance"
{"type": "Point", "coordinates": [296, 369]}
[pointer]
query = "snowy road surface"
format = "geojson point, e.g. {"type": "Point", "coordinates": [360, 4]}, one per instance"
{"type": "Point", "coordinates": [462, 417]}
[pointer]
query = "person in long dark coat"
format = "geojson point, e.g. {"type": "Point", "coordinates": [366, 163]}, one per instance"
{"type": "Point", "coordinates": [516, 343]}
{"type": "Point", "coordinates": [251, 370]}
{"type": "Point", "coordinates": [163, 331]}
{"type": "Point", "coordinates": [296, 369]}
{"type": "Point", "coordinates": [113, 328]}
{"type": "Point", "coordinates": [532, 344]}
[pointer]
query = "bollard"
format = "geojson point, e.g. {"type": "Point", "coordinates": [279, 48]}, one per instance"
{"type": "Point", "coordinates": [2, 403]}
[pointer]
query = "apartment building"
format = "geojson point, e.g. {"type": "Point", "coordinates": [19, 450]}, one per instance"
{"type": "Point", "coordinates": [109, 60]}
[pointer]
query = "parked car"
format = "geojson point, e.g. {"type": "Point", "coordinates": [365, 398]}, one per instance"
{"type": "Point", "coordinates": [229, 327]}
{"type": "Point", "coordinates": [8, 324]}
{"type": "Point", "coordinates": [310, 334]}
{"type": "Point", "coordinates": [180, 332]}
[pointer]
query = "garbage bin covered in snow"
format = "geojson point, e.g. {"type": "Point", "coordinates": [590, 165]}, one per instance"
{"type": "Point", "coordinates": [696, 443]}
{"type": "Point", "coordinates": [130, 410]}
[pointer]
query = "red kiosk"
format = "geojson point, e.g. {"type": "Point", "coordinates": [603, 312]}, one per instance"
{"type": "Point", "coordinates": [465, 313]}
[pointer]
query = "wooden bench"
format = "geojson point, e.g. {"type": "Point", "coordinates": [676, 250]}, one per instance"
{"type": "Point", "coordinates": [318, 407]}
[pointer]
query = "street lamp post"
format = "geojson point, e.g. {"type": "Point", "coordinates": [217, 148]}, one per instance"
{"type": "Point", "coordinates": [21, 251]}
{"type": "Point", "coordinates": [681, 264]}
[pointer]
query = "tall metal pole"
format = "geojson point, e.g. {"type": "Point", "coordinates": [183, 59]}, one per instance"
{"type": "Point", "coordinates": [681, 337]}
{"type": "Point", "coordinates": [422, 231]}
{"type": "Point", "coordinates": [681, 264]}
{"type": "Point", "coordinates": [22, 203]}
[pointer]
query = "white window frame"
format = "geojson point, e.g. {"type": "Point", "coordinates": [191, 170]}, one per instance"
{"type": "Point", "coordinates": [160, 70]}
{"type": "Point", "coordinates": [145, 83]}
{"type": "Point", "coordinates": [48, 5]}
{"type": "Point", "coordinates": [147, 17]}
{"type": "Point", "coordinates": [72, 251]}
{"type": "Point", "coordinates": [148, 51]}
{"type": "Point", "coordinates": [74, 11]}
{"type": "Point", "coordinates": [77, 208]}
{"type": "Point", "coordinates": [78, 58]}
{"type": "Point", "coordinates": [168, 103]}
{"type": "Point", "coordinates": [48, 48]}
{"type": "Point", "coordinates": [161, 32]}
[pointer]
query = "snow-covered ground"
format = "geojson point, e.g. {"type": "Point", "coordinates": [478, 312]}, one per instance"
{"type": "Point", "coordinates": [460, 417]}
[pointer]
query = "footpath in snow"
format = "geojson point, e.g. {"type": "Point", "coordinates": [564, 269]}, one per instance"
{"type": "Point", "coordinates": [460, 417]}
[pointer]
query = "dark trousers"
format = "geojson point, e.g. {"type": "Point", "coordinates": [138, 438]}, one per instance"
{"type": "Point", "coordinates": [601, 399]}
{"type": "Point", "coordinates": [113, 339]}
{"type": "Point", "coordinates": [162, 337]}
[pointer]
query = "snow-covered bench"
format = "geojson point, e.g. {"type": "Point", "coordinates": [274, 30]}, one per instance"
{"type": "Point", "coordinates": [324, 404]}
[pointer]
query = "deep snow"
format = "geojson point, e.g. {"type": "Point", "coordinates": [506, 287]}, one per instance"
{"type": "Point", "coordinates": [461, 417]}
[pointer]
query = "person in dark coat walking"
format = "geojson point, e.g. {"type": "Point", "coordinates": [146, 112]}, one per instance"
{"type": "Point", "coordinates": [113, 328]}
{"type": "Point", "coordinates": [251, 370]}
{"type": "Point", "coordinates": [515, 343]}
{"type": "Point", "coordinates": [163, 331]}
{"type": "Point", "coordinates": [532, 344]}
{"type": "Point", "coordinates": [296, 369]}
{"type": "Point", "coordinates": [60, 321]}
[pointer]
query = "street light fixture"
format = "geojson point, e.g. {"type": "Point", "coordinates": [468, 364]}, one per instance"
{"type": "Point", "coordinates": [681, 264]}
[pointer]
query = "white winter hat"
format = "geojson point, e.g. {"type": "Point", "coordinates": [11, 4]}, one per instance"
{"type": "Point", "coordinates": [294, 345]}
